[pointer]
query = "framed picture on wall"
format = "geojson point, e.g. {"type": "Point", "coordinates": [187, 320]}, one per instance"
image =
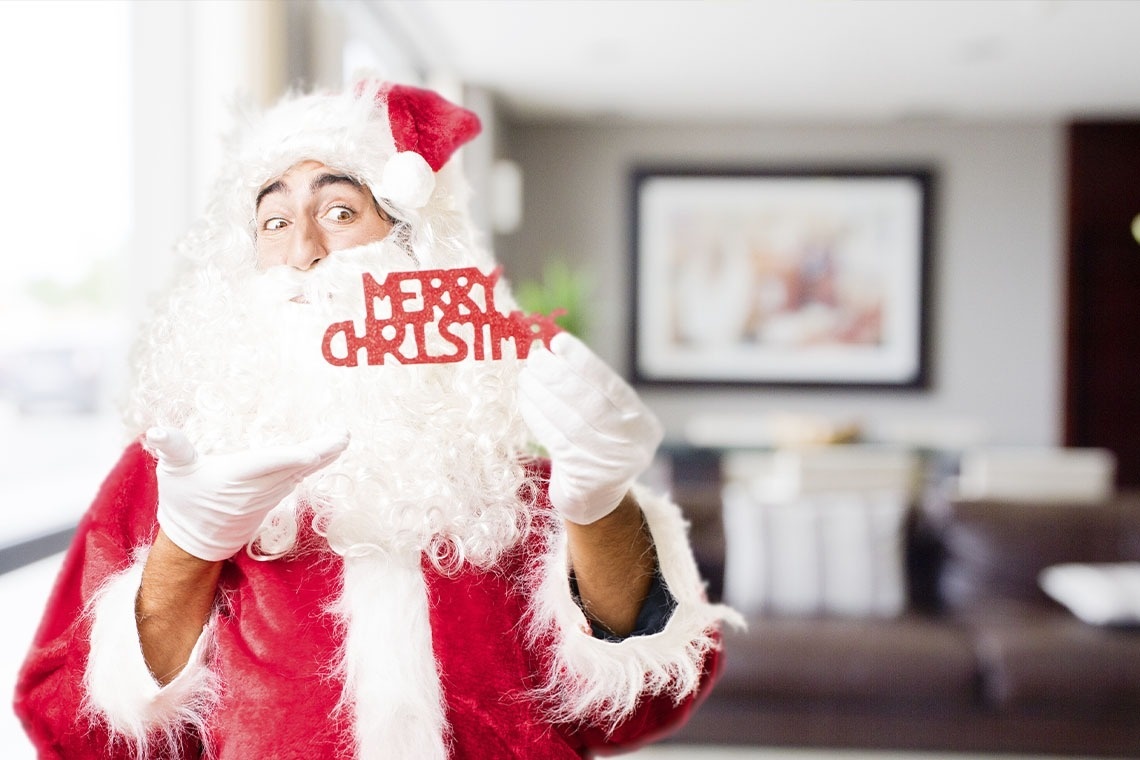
{"type": "Point", "coordinates": [810, 278]}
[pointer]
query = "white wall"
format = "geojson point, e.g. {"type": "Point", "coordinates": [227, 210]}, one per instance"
{"type": "Point", "coordinates": [997, 306]}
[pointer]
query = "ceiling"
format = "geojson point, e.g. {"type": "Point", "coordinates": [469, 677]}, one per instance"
{"type": "Point", "coordinates": [783, 60]}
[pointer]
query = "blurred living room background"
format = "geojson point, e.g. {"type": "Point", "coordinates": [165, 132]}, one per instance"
{"type": "Point", "coordinates": [925, 506]}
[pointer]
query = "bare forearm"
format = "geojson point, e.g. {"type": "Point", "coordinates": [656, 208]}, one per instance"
{"type": "Point", "coordinates": [613, 561]}
{"type": "Point", "coordinates": [174, 602]}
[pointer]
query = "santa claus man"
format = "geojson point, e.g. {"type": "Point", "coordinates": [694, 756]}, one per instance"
{"type": "Point", "coordinates": [298, 557]}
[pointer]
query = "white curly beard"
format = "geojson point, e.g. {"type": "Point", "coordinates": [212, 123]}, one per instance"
{"type": "Point", "coordinates": [434, 461]}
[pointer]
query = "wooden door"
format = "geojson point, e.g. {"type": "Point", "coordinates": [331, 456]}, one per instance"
{"type": "Point", "coordinates": [1102, 403]}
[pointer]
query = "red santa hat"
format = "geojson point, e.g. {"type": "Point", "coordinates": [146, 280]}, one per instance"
{"type": "Point", "coordinates": [426, 131]}
{"type": "Point", "coordinates": [394, 138]}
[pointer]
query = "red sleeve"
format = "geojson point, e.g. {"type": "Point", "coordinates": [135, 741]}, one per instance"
{"type": "Point", "coordinates": [656, 716]}
{"type": "Point", "coordinates": [49, 690]}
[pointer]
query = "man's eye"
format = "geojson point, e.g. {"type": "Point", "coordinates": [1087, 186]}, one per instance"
{"type": "Point", "coordinates": [275, 223]}
{"type": "Point", "coordinates": [340, 214]}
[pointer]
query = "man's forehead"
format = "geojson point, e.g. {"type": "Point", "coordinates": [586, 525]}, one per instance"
{"type": "Point", "coordinates": [308, 164]}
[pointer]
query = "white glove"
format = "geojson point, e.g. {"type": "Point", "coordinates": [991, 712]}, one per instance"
{"type": "Point", "coordinates": [599, 435]}
{"type": "Point", "coordinates": [211, 506]}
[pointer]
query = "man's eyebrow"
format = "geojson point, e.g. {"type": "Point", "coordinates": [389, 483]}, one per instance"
{"type": "Point", "coordinates": [324, 180]}
{"type": "Point", "coordinates": [319, 182]}
{"type": "Point", "coordinates": [273, 187]}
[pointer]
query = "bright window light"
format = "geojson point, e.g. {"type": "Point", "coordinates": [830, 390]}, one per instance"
{"type": "Point", "coordinates": [65, 208]}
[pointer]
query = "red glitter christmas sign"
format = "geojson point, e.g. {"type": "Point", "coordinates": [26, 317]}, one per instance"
{"type": "Point", "coordinates": [456, 304]}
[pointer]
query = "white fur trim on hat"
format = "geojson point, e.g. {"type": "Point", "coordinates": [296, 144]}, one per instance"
{"type": "Point", "coordinates": [601, 681]}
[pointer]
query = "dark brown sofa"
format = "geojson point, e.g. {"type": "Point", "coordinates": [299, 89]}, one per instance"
{"type": "Point", "coordinates": [981, 661]}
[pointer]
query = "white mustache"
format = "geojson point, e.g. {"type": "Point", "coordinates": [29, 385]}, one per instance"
{"type": "Point", "coordinates": [335, 279]}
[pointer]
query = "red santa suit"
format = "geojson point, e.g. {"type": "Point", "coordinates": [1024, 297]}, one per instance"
{"type": "Point", "coordinates": [361, 648]}
{"type": "Point", "coordinates": [520, 674]}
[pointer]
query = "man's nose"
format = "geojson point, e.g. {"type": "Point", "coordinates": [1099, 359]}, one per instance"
{"type": "Point", "coordinates": [308, 244]}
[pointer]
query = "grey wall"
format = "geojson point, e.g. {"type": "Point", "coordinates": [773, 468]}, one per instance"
{"type": "Point", "coordinates": [997, 309]}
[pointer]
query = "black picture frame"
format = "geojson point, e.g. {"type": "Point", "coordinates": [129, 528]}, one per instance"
{"type": "Point", "coordinates": [800, 277]}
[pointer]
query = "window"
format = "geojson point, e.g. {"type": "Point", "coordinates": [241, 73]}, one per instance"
{"type": "Point", "coordinates": [65, 207]}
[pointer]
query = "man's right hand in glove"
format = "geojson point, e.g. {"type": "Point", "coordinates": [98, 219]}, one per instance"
{"type": "Point", "coordinates": [209, 507]}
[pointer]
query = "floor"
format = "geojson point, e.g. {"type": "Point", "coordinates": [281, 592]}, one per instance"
{"type": "Point", "coordinates": [763, 753]}
{"type": "Point", "coordinates": [766, 753]}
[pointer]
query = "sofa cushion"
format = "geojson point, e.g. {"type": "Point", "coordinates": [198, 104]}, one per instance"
{"type": "Point", "coordinates": [1097, 593]}
{"type": "Point", "coordinates": [1054, 662]}
{"type": "Point", "coordinates": [994, 550]}
{"type": "Point", "coordinates": [903, 660]}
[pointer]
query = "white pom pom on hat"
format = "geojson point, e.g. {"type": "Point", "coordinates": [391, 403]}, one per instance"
{"type": "Point", "coordinates": [407, 181]}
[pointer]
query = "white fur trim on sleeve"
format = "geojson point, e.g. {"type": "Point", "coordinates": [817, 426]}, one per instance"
{"type": "Point", "coordinates": [602, 682]}
{"type": "Point", "coordinates": [120, 689]}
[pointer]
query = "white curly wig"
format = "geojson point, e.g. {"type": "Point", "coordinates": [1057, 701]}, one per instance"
{"type": "Point", "coordinates": [434, 463]}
